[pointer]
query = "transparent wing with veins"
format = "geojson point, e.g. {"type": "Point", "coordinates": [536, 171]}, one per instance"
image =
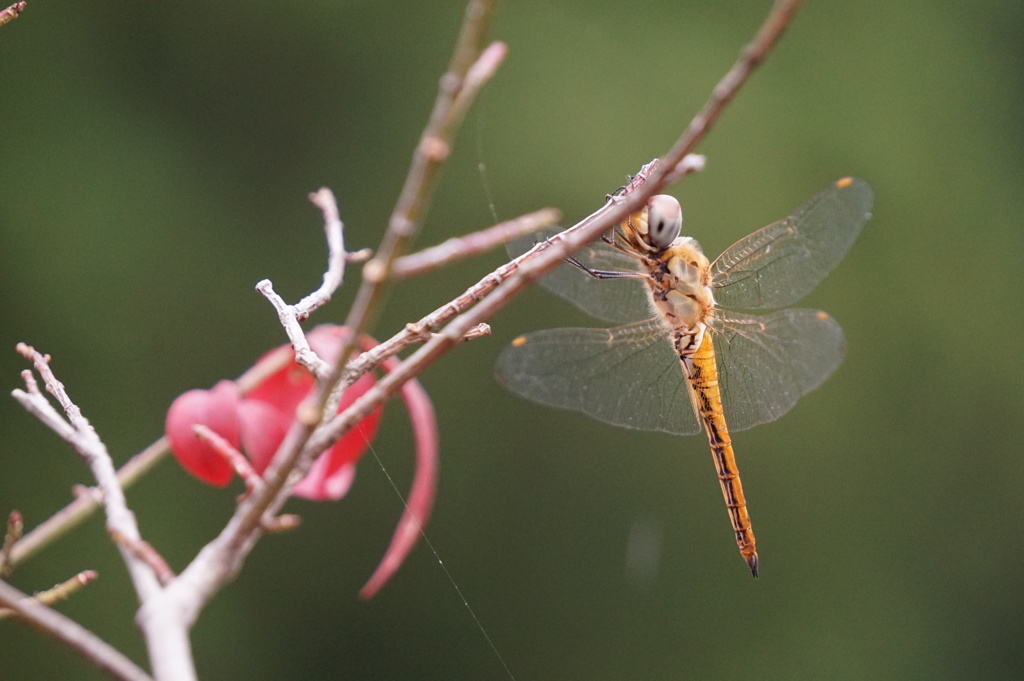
{"type": "Point", "coordinates": [780, 264]}
{"type": "Point", "coordinates": [612, 300]}
{"type": "Point", "coordinates": [630, 375]}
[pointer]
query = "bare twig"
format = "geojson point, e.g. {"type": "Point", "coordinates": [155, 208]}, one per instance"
{"type": "Point", "coordinates": [59, 592]}
{"type": "Point", "coordinates": [15, 526]}
{"type": "Point", "coordinates": [11, 13]}
{"type": "Point", "coordinates": [83, 437]}
{"type": "Point", "coordinates": [84, 505]}
{"type": "Point", "coordinates": [145, 552]}
{"type": "Point", "coordinates": [421, 497]}
{"type": "Point", "coordinates": [751, 56]}
{"type": "Point", "coordinates": [468, 245]}
{"type": "Point", "coordinates": [691, 163]}
{"type": "Point", "coordinates": [286, 522]}
{"type": "Point", "coordinates": [291, 315]}
{"type": "Point", "coordinates": [239, 463]}
{"type": "Point", "coordinates": [165, 631]}
{"type": "Point", "coordinates": [468, 70]}
{"type": "Point", "coordinates": [81, 640]}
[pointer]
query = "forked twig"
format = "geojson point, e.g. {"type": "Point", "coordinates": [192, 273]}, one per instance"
{"type": "Point", "coordinates": [83, 437]}
{"type": "Point", "coordinates": [291, 315]}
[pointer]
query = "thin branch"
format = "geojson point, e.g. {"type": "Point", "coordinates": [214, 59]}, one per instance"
{"type": "Point", "coordinates": [238, 461]}
{"type": "Point", "coordinates": [11, 13]}
{"type": "Point", "coordinates": [691, 163]}
{"type": "Point", "coordinates": [15, 526]}
{"type": "Point", "coordinates": [470, 67]}
{"type": "Point", "coordinates": [84, 505]}
{"type": "Point", "coordinates": [291, 315]}
{"type": "Point", "coordinates": [460, 247]}
{"type": "Point", "coordinates": [83, 437]}
{"type": "Point", "coordinates": [752, 55]}
{"type": "Point", "coordinates": [286, 522]}
{"type": "Point", "coordinates": [421, 496]}
{"type": "Point", "coordinates": [70, 633]}
{"type": "Point", "coordinates": [145, 552]}
{"type": "Point", "coordinates": [334, 230]}
{"type": "Point", "coordinates": [60, 592]}
{"type": "Point", "coordinates": [165, 629]}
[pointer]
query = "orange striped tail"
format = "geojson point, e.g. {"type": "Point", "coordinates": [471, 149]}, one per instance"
{"type": "Point", "coordinates": [703, 374]}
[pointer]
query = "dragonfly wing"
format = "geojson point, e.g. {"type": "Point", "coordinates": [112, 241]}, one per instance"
{"type": "Point", "coordinates": [779, 264]}
{"type": "Point", "coordinates": [628, 376]}
{"type": "Point", "coordinates": [613, 300]}
{"type": "Point", "coordinates": [766, 363]}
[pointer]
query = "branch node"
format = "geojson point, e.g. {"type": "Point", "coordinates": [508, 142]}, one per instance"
{"type": "Point", "coordinates": [15, 527]}
{"type": "Point", "coordinates": [374, 271]}
{"type": "Point", "coordinates": [477, 331]}
{"type": "Point", "coordinates": [435, 149]}
{"type": "Point", "coordinates": [286, 522]}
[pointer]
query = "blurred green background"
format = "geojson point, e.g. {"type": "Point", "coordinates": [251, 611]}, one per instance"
{"type": "Point", "coordinates": [154, 164]}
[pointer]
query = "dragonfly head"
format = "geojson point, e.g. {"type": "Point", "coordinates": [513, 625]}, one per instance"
{"type": "Point", "coordinates": [655, 227]}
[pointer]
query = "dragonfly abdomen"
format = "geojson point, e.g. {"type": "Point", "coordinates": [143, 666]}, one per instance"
{"type": "Point", "coordinates": [702, 372]}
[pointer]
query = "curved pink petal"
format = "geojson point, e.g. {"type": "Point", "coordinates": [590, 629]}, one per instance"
{"type": "Point", "coordinates": [217, 409]}
{"type": "Point", "coordinates": [424, 484]}
{"type": "Point", "coordinates": [330, 476]}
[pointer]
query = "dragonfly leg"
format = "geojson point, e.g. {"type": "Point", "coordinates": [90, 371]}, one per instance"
{"type": "Point", "coordinates": [604, 274]}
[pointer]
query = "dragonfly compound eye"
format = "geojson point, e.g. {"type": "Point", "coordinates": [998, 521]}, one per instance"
{"type": "Point", "coordinates": [664, 220]}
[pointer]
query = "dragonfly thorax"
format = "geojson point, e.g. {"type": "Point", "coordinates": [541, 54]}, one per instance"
{"type": "Point", "coordinates": [680, 286]}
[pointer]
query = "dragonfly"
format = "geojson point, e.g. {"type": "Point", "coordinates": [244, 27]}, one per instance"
{"type": "Point", "coordinates": [682, 360]}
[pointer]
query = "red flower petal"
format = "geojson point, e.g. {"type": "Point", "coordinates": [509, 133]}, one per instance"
{"type": "Point", "coordinates": [328, 479]}
{"type": "Point", "coordinates": [353, 444]}
{"type": "Point", "coordinates": [424, 484]}
{"type": "Point", "coordinates": [263, 428]}
{"type": "Point", "coordinates": [217, 409]}
{"type": "Point", "coordinates": [284, 388]}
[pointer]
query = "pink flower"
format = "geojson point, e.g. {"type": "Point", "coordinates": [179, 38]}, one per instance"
{"type": "Point", "coordinates": [259, 421]}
